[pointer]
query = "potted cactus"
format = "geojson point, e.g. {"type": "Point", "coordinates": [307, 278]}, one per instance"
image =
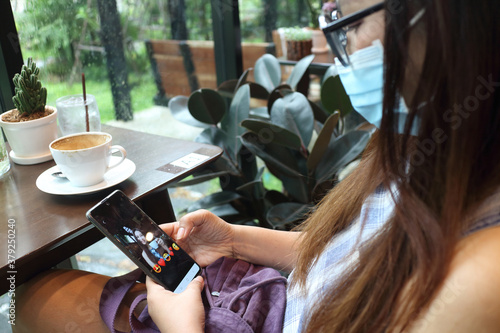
{"type": "Point", "coordinates": [32, 125]}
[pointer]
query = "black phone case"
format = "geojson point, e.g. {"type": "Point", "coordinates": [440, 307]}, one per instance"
{"type": "Point", "coordinates": [125, 224]}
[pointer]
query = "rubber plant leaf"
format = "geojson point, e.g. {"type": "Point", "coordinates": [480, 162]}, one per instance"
{"type": "Point", "coordinates": [214, 199]}
{"type": "Point", "coordinates": [299, 70]}
{"type": "Point", "coordinates": [334, 97]}
{"type": "Point", "coordinates": [270, 132]}
{"type": "Point", "coordinates": [178, 106]}
{"type": "Point", "coordinates": [254, 188]}
{"type": "Point", "coordinates": [212, 136]}
{"type": "Point", "coordinates": [207, 106]}
{"type": "Point", "coordinates": [279, 92]}
{"type": "Point", "coordinates": [331, 71]}
{"type": "Point", "coordinates": [242, 80]}
{"type": "Point", "coordinates": [215, 136]}
{"type": "Point", "coordinates": [276, 197]}
{"type": "Point", "coordinates": [238, 111]}
{"type": "Point", "coordinates": [284, 164]}
{"type": "Point", "coordinates": [224, 164]}
{"type": "Point", "coordinates": [247, 163]}
{"type": "Point", "coordinates": [321, 144]}
{"type": "Point", "coordinates": [227, 88]}
{"type": "Point", "coordinates": [267, 72]}
{"type": "Point", "coordinates": [297, 188]}
{"type": "Point", "coordinates": [340, 152]}
{"type": "Point", "coordinates": [294, 113]}
{"type": "Point", "coordinates": [260, 113]}
{"type": "Point", "coordinates": [287, 213]}
{"type": "Point", "coordinates": [252, 184]}
{"type": "Point", "coordinates": [277, 157]}
{"type": "Point", "coordinates": [258, 91]}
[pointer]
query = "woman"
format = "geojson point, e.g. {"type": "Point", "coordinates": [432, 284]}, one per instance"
{"type": "Point", "coordinates": [409, 241]}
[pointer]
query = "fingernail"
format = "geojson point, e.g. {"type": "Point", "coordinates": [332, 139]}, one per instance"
{"type": "Point", "coordinates": [180, 233]}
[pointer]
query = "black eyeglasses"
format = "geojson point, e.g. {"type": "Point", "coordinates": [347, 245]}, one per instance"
{"type": "Point", "coordinates": [336, 32]}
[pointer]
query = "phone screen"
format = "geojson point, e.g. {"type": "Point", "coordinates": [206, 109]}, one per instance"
{"type": "Point", "coordinates": [140, 238]}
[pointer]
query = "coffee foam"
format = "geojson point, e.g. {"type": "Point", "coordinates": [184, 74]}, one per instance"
{"type": "Point", "coordinates": [78, 142]}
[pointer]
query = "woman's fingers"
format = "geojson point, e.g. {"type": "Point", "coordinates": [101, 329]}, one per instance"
{"type": "Point", "coordinates": [153, 287]}
{"type": "Point", "coordinates": [196, 285]}
{"type": "Point", "coordinates": [170, 228]}
{"type": "Point", "coordinates": [181, 232]}
{"type": "Point", "coordinates": [187, 313]}
{"type": "Point", "coordinates": [192, 220]}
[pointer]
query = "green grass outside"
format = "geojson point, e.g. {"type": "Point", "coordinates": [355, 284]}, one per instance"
{"type": "Point", "coordinates": [141, 94]}
{"type": "Point", "coordinates": [271, 182]}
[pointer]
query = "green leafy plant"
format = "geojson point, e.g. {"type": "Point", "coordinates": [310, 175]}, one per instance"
{"type": "Point", "coordinates": [303, 143]}
{"type": "Point", "coordinates": [30, 96]}
{"type": "Point", "coordinates": [297, 34]}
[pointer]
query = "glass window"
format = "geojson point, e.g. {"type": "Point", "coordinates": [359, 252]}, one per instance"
{"type": "Point", "coordinates": [103, 39]}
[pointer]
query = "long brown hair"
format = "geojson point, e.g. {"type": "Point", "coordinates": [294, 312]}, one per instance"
{"type": "Point", "coordinates": [442, 175]}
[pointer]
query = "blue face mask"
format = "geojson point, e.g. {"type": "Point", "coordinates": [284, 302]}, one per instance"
{"type": "Point", "coordinates": [363, 81]}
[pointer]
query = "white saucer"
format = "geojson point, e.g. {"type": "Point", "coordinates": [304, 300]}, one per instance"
{"type": "Point", "coordinates": [30, 160]}
{"type": "Point", "coordinates": [60, 186]}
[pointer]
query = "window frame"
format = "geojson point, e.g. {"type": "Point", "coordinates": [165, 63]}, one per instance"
{"type": "Point", "coordinates": [11, 58]}
{"type": "Point", "coordinates": [227, 47]}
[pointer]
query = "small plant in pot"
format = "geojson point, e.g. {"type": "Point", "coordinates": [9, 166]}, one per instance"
{"type": "Point", "coordinates": [298, 43]}
{"type": "Point", "coordinates": [32, 125]}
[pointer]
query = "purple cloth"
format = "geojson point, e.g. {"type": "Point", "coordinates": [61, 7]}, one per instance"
{"type": "Point", "coordinates": [241, 297]}
{"type": "Point", "coordinates": [238, 297]}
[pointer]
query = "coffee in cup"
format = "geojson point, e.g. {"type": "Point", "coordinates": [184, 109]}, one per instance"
{"type": "Point", "coordinates": [78, 142]}
{"type": "Point", "coordinates": [84, 157]}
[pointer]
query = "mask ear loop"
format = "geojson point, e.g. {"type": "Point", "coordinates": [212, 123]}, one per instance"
{"type": "Point", "coordinates": [402, 104]}
{"type": "Point", "coordinates": [417, 17]}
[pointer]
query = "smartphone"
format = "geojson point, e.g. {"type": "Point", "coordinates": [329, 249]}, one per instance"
{"type": "Point", "coordinates": [140, 238]}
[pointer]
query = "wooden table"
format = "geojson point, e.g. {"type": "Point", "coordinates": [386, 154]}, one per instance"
{"type": "Point", "coordinates": [51, 228]}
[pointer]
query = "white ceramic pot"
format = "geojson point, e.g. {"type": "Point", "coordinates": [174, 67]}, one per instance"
{"type": "Point", "coordinates": [30, 140]}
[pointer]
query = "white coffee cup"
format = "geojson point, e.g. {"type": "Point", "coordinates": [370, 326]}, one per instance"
{"type": "Point", "coordinates": [84, 157]}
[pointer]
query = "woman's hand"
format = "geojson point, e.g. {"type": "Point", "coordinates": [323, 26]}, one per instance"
{"type": "Point", "coordinates": [204, 236]}
{"type": "Point", "coordinates": [171, 312]}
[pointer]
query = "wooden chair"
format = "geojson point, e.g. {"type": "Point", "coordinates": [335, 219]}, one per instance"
{"type": "Point", "coordinates": [181, 67]}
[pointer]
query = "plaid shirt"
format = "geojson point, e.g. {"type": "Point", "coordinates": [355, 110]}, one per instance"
{"type": "Point", "coordinates": [342, 252]}
{"type": "Point", "coordinates": [337, 256]}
